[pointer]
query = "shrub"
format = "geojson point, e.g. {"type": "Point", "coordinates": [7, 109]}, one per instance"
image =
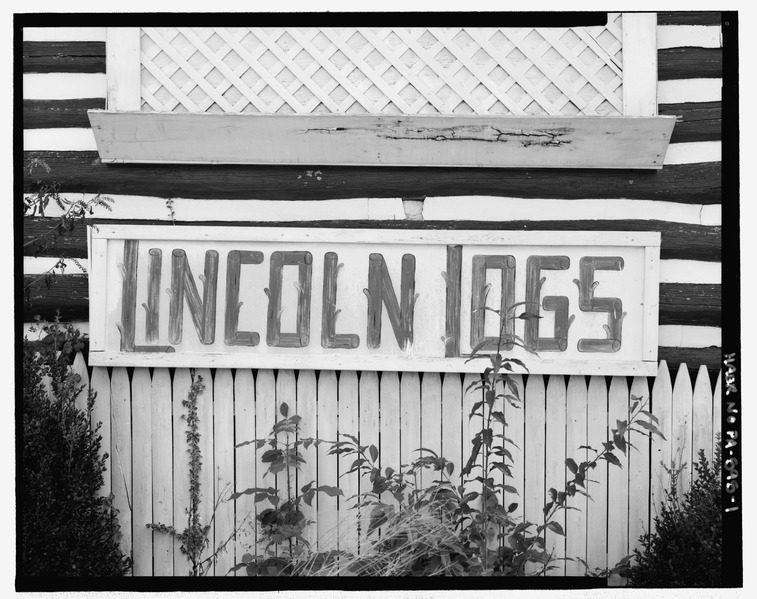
{"type": "Point", "coordinates": [686, 547]}
{"type": "Point", "coordinates": [67, 528]}
{"type": "Point", "coordinates": [452, 526]}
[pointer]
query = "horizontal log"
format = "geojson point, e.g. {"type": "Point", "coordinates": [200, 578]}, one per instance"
{"type": "Point", "coordinates": [679, 303]}
{"type": "Point", "coordinates": [689, 63]}
{"type": "Point", "coordinates": [689, 17]}
{"type": "Point", "coordinates": [63, 57]}
{"type": "Point", "coordinates": [690, 304]}
{"type": "Point", "coordinates": [693, 357]}
{"type": "Point", "coordinates": [67, 293]}
{"type": "Point", "coordinates": [47, 237]}
{"type": "Point", "coordinates": [52, 114]}
{"type": "Point", "coordinates": [83, 172]}
{"type": "Point", "coordinates": [679, 241]}
{"type": "Point", "coordinates": [697, 121]}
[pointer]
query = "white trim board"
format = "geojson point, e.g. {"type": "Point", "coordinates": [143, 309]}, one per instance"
{"type": "Point", "coordinates": [358, 363]}
{"type": "Point", "coordinates": [83, 139]}
{"type": "Point", "coordinates": [62, 140]}
{"type": "Point", "coordinates": [690, 271]}
{"type": "Point", "coordinates": [360, 236]}
{"type": "Point", "coordinates": [688, 36]}
{"type": "Point", "coordinates": [34, 265]}
{"type": "Point", "coordinates": [495, 208]}
{"type": "Point", "coordinates": [680, 91]}
{"type": "Point", "coordinates": [64, 34]}
{"type": "Point", "coordinates": [689, 336]}
{"type": "Point", "coordinates": [205, 209]}
{"type": "Point", "coordinates": [64, 86]}
{"type": "Point", "coordinates": [452, 208]}
{"type": "Point", "coordinates": [382, 140]}
{"type": "Point", "coordinates": [694, 152]}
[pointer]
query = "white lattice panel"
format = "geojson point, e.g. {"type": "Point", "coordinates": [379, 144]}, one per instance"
{"type": "Point", "coordinates": [520, 71]}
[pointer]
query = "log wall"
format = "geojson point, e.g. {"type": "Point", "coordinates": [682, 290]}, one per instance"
{"type": "Point", "coordinates": [64, 76]}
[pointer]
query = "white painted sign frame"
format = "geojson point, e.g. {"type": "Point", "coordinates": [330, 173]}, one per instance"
{"type": "Point", "coordinates": [106, 239]}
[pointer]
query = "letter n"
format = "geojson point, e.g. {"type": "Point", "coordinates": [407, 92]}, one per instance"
{"type": "Point", "coordinates": [380, 292]}
{"type": "Point", "coordinates": [183, 286]}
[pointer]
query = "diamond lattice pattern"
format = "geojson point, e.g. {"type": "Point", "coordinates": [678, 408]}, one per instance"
{"type": "Point", "coordinates": [520, 71]}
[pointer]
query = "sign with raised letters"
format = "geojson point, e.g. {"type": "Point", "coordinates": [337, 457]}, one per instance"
{"type": "Point", "coordinates": [366, 299]}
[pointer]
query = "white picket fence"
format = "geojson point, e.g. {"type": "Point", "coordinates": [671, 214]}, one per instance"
{"type": "Point", "coordinates": [148, 463]}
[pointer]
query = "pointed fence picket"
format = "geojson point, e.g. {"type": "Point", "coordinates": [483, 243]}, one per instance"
{"type": "Point", "coordinates": [182, 383]}
{"type": "Point", "coordinates": [535, 495]}
{"type": "Point", "coordinates": [554, 464]}
{"type": "Point", "coordinates": [701, 411]}
{"type": "Point", "coordinates": [222, 468]}
{"type": "Point", "coordinates": [452, 421]}
{"type": "Point", "coordinates": [515, 431]}
{"type": "Point", "coordinates": [245, 538]}
{"type": "Point", "coordinates": [141, 461]}
{"type": "Point", "coordinates": [143, 427]}
{"type": "Point", "coordinates": [369, 426]}
{"type": "Point", "coordinates": [617, 478]}
{"type": "Point", "coordinates": [717, 411]}
{"type": "Point", "coordinates": [471, 395]}
{"type": "Point", "coordinates": [121, 453]}
{"type": "Point", "coordinates": [328, 474]}
{"type": "Point", "coordinates": [575, 437]}
{"type": "Point", "coordinates": [266, 415]}
{"type": "Point", "coordinates": [431, 421]}
{"type": "Point", "coordinates": [661, 450]}
{"type": "Point", "coordinates": [100, 385]}
{"type": "Point", "coordinates": [638, 470]}
{"type": "Point", "coordinates": [681, 420]}
{"type": "Point", "coordinates": [162, 470]}
{"type": "Point", "coordinates": [596, 508]}
{"type": "Point", "coordinates": [205, 443]}
{"type": "Point", "coordinates": [80, 368]}
{"type": "Point", "coordinates": [307, 409]}
{"type": "Point", "coordinates": [348, 423]}
{"type": "Point", "coordinates": [389, 425]}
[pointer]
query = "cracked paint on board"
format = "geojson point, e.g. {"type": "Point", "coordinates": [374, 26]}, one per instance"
{"type": "Point", "coordinates": [548, 137]}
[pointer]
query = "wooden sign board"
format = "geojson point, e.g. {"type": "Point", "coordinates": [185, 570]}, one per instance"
{"type": "Point", "coordinates": [362, 299]}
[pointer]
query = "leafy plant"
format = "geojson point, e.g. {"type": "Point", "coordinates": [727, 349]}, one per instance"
{"type": "Point", "coordinates": [194, 538]}
{"type": "Point", "coordinates": [67, 527]}
{"type": "Point", "coordinates": [686, 548]}
{"type": "Point", "coordinates": [452, 526]}
{"type": "Point", "coordinates": [476, 537]}
{"type": "Point", "coordinates": [282, 525]}
{"type": "Point", "coordinates": [74, 211]}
